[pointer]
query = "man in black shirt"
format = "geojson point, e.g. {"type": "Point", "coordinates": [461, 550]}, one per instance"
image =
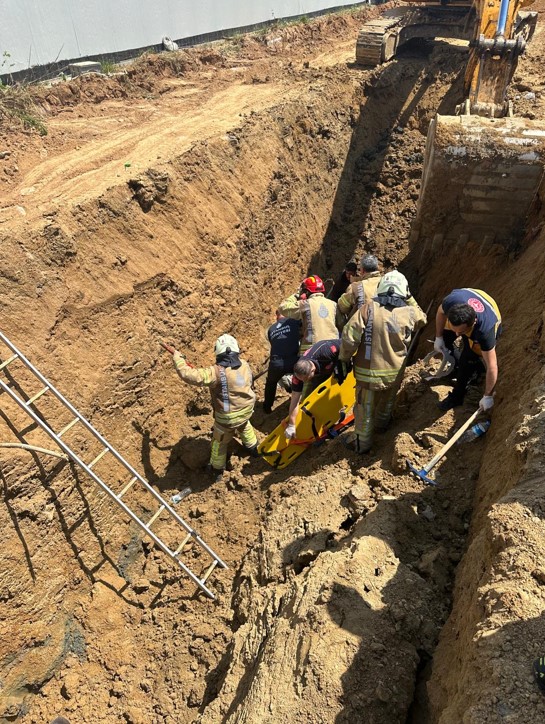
{"type": "Point", "coordinates": [284, 336]}
{"type": "Point", "coordinates": [341, 285]}
{"type": "Point", "coordinates": [310, 370]}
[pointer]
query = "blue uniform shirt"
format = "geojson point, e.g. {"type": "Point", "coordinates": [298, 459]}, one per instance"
{"type": "Point", "coordinates": [488, 323]}
{"type": "Point", "coordinates": [284, 337]}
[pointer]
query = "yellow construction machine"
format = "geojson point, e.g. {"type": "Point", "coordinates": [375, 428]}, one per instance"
{"type": "Point", "coordinates": [379, 39]}
{"type": "Point", "coordinates": [482, 22]}
{"type": "Point", "coordinates": [482, 167]}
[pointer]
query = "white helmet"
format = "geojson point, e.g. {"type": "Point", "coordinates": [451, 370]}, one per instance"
{"type": "Point", "coordinates": [226, 343]}
{"type": "Point", "coordinates": [395, 280]}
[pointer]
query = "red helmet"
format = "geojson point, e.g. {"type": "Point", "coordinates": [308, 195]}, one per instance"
{"type": "Point", "coordinates": [313, 285]}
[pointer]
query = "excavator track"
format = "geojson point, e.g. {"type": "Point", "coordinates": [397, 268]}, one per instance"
{"type": "Point", "coordinates": [376, 44]}
{"type": "Point", "coordinates": [379, 39]}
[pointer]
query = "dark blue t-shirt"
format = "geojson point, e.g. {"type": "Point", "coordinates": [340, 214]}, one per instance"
{"type": "Point", "coordinates": [324, 354]}
{"type": "Point", "coordinates": [488, 322]}
{"type": "Point", "coordinates": [284, 337]}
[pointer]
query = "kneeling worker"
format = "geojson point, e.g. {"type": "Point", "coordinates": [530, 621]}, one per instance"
{"type": "Point", "coordinates": [379, 335]}
{"type": "Point", "coordinates": [230, 382]}
{"type": "Point", "coordinates": [474, 316]}
{"type": "Point", "coordinates": [310, 370]}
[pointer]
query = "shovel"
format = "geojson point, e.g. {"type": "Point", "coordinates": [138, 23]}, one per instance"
{"type": "Point", "coordinates": [423, 473]}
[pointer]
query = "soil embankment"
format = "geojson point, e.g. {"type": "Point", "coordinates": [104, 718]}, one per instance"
{"type": "Point", "coordinates": [185, 199]}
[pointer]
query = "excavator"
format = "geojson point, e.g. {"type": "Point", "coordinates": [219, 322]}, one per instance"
{"type": "Point", "coordinates": [482, 167]}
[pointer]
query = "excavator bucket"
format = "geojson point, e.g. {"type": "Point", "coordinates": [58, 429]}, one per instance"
{"type": "Point", "coordinates": [480, 178]}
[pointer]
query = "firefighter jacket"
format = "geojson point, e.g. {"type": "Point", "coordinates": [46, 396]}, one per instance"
{"type": "Point", "coordinates": [317, 315]}
{"type": "Point", "coordinates": [362, 291]}
{"type": "Point", "coordinates": [231, 390]}
{"type": "Point", "coordinates": [358, 293]}
{"type": "Point", "coordinates": [379, 337]}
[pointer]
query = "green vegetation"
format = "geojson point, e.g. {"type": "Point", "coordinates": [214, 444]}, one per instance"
{"type": "Point", "coordinates": [107, 67]}
{"type": "Point", "coordinates": [17, 103]}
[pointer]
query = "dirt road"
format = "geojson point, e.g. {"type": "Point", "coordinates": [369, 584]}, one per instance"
{"type": "Point", "coordinates": [251, 165]}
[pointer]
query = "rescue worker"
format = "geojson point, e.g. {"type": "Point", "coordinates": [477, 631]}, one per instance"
{"type": "Point", "coordinates": [474, 316]}
{"type": "Point", "coordinates": [317, 314]}
{"type": "Point", "coordinates": [314, 367]}
{"type": "Point", "coordinates": [378, 335]}
{"type": "Point", "coordinates": [361, 289]}
{"type": "Point", "coordinates": [342, 283]}
{"type": "Point", "coordinates": [230, 382]}
{"type": "Point", "coordinates": [284, 336]}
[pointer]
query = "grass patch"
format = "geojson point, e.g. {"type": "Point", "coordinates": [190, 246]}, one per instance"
{"type": "Point", "coordinates": [107, 67]}
{"type": "Point", "coordinates": [17, 103]}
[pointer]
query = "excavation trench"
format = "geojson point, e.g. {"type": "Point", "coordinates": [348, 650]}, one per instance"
{"type": "Point", "coordinates": [341, 572]}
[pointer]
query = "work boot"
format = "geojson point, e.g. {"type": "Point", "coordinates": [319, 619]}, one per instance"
{"type": "Point", "coordinates": [355, 445]}
{"type": "Point", "coordinates": [253, 451]}
{"type": "Point", "coordinates": [218, 473]}
{"type": "Point", "coordinates": [449, 402]}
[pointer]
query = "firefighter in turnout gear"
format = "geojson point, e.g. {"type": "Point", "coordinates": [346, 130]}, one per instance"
{"type": "Point", "coordinates": [362, 290]}
{"type": "Point", "coordinates": [378, 335]}
{"type": "Point", "coordinates": [317, 314]}
{"type": "Point", "coordinates": [230, 382]}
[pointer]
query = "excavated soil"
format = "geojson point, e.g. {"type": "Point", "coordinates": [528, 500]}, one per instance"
{"type": "Point", "coordinates": [184, 198]}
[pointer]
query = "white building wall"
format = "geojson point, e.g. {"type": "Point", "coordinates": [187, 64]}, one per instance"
{"type": "Point", "coordinates": [36, 32]}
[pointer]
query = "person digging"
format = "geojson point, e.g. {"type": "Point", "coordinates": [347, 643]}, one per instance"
{"type": "Point", "coordinates": [472, 315]}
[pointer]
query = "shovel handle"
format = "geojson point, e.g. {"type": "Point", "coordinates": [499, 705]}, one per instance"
{"type": "Point", "coordinates": [168, 347]}
{"type": "Point", "coordinates": [433, 462]}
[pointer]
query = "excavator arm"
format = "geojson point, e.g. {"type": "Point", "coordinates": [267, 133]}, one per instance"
{"type": "Point", "coordinates": [482, 168]}
{"type": "Point", "coordinates": [501, 33]}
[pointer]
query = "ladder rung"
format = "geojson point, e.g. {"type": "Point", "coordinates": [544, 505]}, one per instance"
{"type": "Point", "coordinates": [6, 363]}
{"type": "Point", "coordinates": [36, 396]}
{"type": "Point", "coordinates": [37, 420]}
{"type": "Point", "coordinates": [180, 548]}
{"type": "Point", "coordinates": [129, 485]}
{"type": "Point", "coordinates": [98, 457]}
{"type": "Point", "coordinates": [209, 571]}
{"type": "Point", "coordinates": [68, 427]}
{"type": "Point", "coordinates": [155, 516]}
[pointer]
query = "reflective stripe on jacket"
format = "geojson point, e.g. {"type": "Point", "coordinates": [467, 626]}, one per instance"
{"type": "Point", "coordinates": [317, 315]}
{"type": "Point", "coordinates": [379, 337]}
{"type": "Point", "coordinates": [231, 390]}
{"type": "Point", "coordinates": [358, 293]}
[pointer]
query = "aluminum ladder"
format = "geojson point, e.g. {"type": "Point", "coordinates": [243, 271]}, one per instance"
{"type": "Point", "coordinates": [163, 507]}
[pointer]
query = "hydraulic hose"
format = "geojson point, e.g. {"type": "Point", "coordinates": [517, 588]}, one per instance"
{"type": "Point", "coordinates": [502, 19]}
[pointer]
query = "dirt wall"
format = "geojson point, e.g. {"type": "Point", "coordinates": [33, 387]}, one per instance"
{"type": "Point", "coordinates": [341, 570]}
